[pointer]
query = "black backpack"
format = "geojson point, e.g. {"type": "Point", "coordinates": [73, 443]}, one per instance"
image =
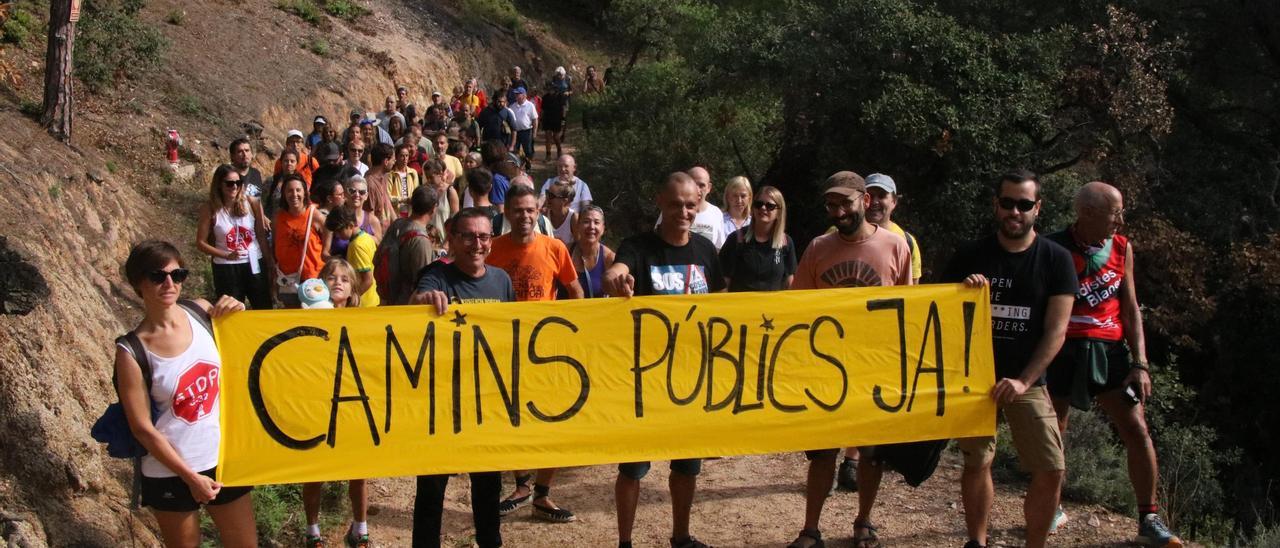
{"type": "Point", "coordinates": [112, 428]}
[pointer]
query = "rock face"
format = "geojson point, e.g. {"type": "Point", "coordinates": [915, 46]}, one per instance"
{"type": "Point", "coordinates": [22, 287]}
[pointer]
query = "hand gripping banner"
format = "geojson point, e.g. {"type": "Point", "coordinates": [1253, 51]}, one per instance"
{"type": "Point", "coordinates": [323, 395]}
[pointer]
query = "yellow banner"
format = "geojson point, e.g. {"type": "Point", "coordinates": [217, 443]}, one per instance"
{"type": "Point", "coordinates": [322, 395]}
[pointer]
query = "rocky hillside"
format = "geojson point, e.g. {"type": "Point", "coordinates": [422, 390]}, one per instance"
{"type": "Point", "coordinates": [68, 214]}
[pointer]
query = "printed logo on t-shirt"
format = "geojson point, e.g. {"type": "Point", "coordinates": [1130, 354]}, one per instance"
{"type": "Point", "coordinates": [197, 392]}
{"type": "Point", "coordinates": [239, 238]}
{"type": "Point", "coordinates": [1006, 320]}
{"type": "Point", "coordinates": [703, 229]}
{"type": "Point", "coordinates": [853, 273]}
{"type": "Point", "coordinates": [682, 279]}
{"type": "Point", "coordinates": [529, 282]}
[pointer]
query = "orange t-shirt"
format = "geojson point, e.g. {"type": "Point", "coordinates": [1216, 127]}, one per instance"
{"type": "Point", "coordinates": [535, 267]}
{"type": "Point", "coordinates": [290, 233]}
{"type": "Point", "coordinates": [880, 259]}
{"type": "Point", "coordinates": [306, 166]}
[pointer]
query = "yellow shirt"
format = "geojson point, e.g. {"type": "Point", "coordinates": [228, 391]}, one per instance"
{"type": "Point", "coordinates": [916, 270]}
{"type": "Point", "coordinates": [360, 254]}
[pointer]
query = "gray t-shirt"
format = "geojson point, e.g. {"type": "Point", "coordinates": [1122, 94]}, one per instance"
{"type": "Point", "coordinates": [494, 286]}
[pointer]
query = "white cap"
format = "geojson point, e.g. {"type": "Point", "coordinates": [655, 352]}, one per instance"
{"type": "Point", "coordinates": [560, 71]}
{"type": "Point", "coordinates": [294, 133]}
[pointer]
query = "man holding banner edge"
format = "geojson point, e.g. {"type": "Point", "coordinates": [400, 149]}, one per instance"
{"type": "Point", "coordinates": [671, 260]}
{"type": "Point", "coordinates": [1033, 284]}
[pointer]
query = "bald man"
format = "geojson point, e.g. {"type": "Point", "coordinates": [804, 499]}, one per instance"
{"type": "Point", "coordinates": [708, 222]}
{"type": "Point", "coordinates": [1104, 357]}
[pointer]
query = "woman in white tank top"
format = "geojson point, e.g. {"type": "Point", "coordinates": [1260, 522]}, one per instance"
{"type": "Point", "coordinates": [229, 230]}
{"type": "Point", "coordinates": [177, 420]}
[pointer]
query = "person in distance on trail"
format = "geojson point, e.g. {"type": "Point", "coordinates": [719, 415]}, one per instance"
{"type": "Point", "coordinates": [496, 121]}
{"type": "Point", "coordinates": [465, 280]}
{"type": "Point", "coordinates": [452, 164]}
{"type": "Point", "coordinates": [1105, 355]}
{"type": "Point", "coordinates": [352, 158]}
{"type": "Point", "coordinates": [525, 126]}
{"type": "Point", "coordinates": [341, 279]}
{"type": "Point", "coordinates": [306, 163]}
{"type": "Point", "coordinates": [438, 178]}
{"type": "Point", "coordinates": [182, 439]}
{"type": "Point", "coordinates": [318, 125]}
{"type": "Point", "coordinates": [405, 107]}
{"type": "Point", "coordinates": [671, 260]}
{"type": "Point", "coordinates": [401, 179]}
{"type": "Point", "coordinates": [381, 159]}
{"type": "Point", "coordinates": [858, 254]}
{"type": "Point", "coordinates": [760, 256]}
{"type": "Point", "coordinates": [517, 81]}
{"type": "Point", "coordinates": [241, 153]}
{"type": "Point", "coordinates": [327, 135]}
{"type": "Point", "coordinates": [567, 174]}
{"type": "Point", "coordinates": [371, 130]}
{"type": "Point", "coordinates": [229, 230]}
{"type": "Point", "coordinates": [1032, 285]}
{"type": "Point", "coordinates": [555, 108]}
{"type": "Point", "coordinates": [416, 245]}
{"type": "Point", "coordinates": [388, 112]}
{"type": "Point", "coordinates": [737, 204]}
{"type": "Point", "coordinates": [884, 200]}
{"type": "Point", "coordinates": [536, 264]}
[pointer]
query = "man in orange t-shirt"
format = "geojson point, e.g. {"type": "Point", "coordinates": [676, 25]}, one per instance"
{"type": "Point", "coordinates": [535, 263]}
{"type": "Point", "coordinates": [306, 164]}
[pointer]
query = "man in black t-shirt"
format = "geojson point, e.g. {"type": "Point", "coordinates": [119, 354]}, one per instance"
{"type": "Point", "coordinates": [241, 155]}
{"type": "Point", "coordinates": [466, 280]}
{"type": "Point", "coordinates": [671, 260]}
{"type": "Point", "coordinates": [1033, 285]}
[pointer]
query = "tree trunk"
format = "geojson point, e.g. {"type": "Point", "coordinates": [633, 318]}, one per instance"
{"type": "Point", "coordinates": [57, 71]}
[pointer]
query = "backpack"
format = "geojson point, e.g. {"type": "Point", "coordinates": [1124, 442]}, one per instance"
{"type": "Point", "coordinates": [112, 428]}
{"type": "Point", "coordinates": [386, 263]}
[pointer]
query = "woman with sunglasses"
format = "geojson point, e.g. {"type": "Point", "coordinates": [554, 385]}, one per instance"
{"type": "Point", "coordinates": [760, 256]}
{"type": "Point", "coordinates": [299, 239]}
{"type": "Point", "coordinates": [564, 221]}
{"type": "Point", "coordinates": [590, 256]}
{"type": "Point", "coordinates": [357, 200]}
{"type": "Point", "coordinates": [737, 204]}
{"type": "Point", "coordinates": [174, 413]}
{"type": "Point", "coordinates": [231, 225]}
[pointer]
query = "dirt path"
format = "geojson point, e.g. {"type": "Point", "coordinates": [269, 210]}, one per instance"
{"type": "Point", "coordinates": [754, 501]}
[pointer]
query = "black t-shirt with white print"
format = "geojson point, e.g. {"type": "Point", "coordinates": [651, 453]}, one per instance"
{"type": "Point", "coordinates": [664, 269]}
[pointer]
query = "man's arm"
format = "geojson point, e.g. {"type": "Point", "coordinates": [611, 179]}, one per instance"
{"type": "Point", "coordinates": [1056, 314]}
{"type": "Point", "coordinates": [618, 281]}
{"type": "Point", "coordinates": [1131, 320]}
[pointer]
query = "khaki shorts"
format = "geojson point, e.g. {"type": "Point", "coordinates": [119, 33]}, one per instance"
{"type": "Point", "coordinates": [1034, 426]}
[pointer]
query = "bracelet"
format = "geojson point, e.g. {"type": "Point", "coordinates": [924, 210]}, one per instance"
{"type": "Point", "coordinates": [1140, 365]}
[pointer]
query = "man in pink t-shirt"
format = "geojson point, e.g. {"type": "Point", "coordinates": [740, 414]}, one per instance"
{"type": "Point", "coordinates": [857, 254]}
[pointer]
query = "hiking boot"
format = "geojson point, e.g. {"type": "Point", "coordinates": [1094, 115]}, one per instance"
{"type": "Point", "coordinates": [974, 544]}
{"type": "Point", "coordinates": [1059, 518]}
{"type": "Point", "coordinates": [1153, 532]}
{"type": "Point", "coordinates": [354, 540]}
{"type": "Point", "coordinates": [847, 476]}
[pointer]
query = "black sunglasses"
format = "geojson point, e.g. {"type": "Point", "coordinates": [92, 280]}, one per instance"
{"type": "Point", "coordinates": [178, 275]}
{"type": "Point", "coordinates": [767, 206]}
{"type": "Point", "coordinates": [1022, 205]}
{"type": "Point", "coordinates": [229, 183]}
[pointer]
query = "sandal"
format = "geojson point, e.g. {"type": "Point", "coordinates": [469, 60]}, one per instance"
{"type": "Point", "coordinates": [812, 534]}
{"type": "Point", "coordinates": [314, 541]}
{"type": "Point", "coordinates": [511, 504]}
{"type": "Point", "coordinates": [554, 515]}
{"type": "Point", "coordinates": [868, 540]}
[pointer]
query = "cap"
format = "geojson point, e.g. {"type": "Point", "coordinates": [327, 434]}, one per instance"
{"type": "Point", "coordinates": [518, 91]}
{"type": "Point", "coordinates": [437, 94]}
{"type": "Point", "coordinates": [370, 119]}
{"type": "Point", "coordinates": [293, 133]}
{"type": "Point", "coordinates": [320, 120]}
{"type": "Point", "coordinates": [846, 183]}
{"type": "Point", "coordinates": [329, 151]}
{"type": "Point", "coordinates": [355, 114]}
{"type": "Point", "coordinates": [880, 180]}
{"type": "Point", "coordinates": [560, 71]}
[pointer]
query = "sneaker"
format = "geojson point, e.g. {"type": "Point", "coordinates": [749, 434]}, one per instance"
{"type": "Point", "coordinates": [1059, 518]}
{"type": "Point", "coordinates": [354, 540]}
{"type": "Point", "coordinates": [847, 476]}
{"type": "Point", "coordinates": [1153, 532]}
{"type": "Point", "coordinates": [314, 541]}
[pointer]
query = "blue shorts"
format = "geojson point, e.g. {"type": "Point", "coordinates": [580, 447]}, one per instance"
{"type": "Point", "coordinates": [638, 470]}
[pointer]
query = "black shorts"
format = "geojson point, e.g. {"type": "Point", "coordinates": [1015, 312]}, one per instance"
{"type": "Point", "coordinates": [173, 495]}
{"type": "Point", "coordinates": [1063, 370]}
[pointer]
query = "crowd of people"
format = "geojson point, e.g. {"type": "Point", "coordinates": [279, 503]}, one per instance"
{"type": "Point", "coordinates": [436, 207]}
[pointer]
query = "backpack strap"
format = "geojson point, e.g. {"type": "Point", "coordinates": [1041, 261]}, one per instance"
{"type": "Point", "coordinates": [133, 345]}
{"type": "Point", "coordinates": [198, 312]}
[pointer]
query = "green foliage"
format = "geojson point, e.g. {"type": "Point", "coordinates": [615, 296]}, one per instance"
{"type": "Point", "coordinates": [659, 119]}
{"type": "Point", "coordinates": [279, 513]}
{"type": "Point", "coordinates": [30, 107]}
{"type": "Point", "coordinates": [112, 167]}
{"type": "Point", "coordinates": [307, 10]}
{"type": "Point", "coordinates": [346, 10]}
{"type": "Point", "coordinates": [1097, 472]}
{"type": "Point", "coordinates": [176, 17]}
{"type": "Point", "coordinates": [189, 105]}
{"type": "Point", "coordinates": [313, 11]}
{"type": "Point", "coordinates": [19, 26]}
{"type": "Point", "coordinates": [317, 45]}
{"type": "Point", "coordinates": [112, 42]}
{"type": "Point", "coordinates": [498, 12]}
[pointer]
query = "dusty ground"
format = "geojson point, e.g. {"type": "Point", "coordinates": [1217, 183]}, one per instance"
{"type": "Point", "coordinates": [753, 501]}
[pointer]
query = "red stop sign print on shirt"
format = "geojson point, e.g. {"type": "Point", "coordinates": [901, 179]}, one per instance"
{"type": "Point", "coordinates": [239, 238]}
{"type": "Point", "coordinates": [197, 392]}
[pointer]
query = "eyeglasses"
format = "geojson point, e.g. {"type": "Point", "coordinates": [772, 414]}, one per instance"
{"type": "Point", "coordinates": [357, 151]}
{"type": "Point", "coordinates": [1023, 206]}
{"type": "Point", "coordinates": [360, 191]}
{"type": "Point", "coordinates": [178, 275]}
{"type": "Point", "coordinates": [473, 237]}
{"type": "Point", "coordinates": [767, 206]}
{"type": "Point", "coordinates": [235, 183]}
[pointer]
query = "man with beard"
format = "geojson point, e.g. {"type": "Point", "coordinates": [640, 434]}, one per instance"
{"type": "Point", "coordinates": [1104, 331]}
{"type": "Point", "coordinates": [1033, 285]}
{"type": "Point", "coordinates": [858, 254]}
{"type": "Point", "coordinates": [241, 153]}
{"type": "Point", "coordinates": [671, 260]}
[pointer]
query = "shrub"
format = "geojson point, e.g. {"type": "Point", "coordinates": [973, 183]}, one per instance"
{"type": "Point", "coordinates": [318, 46]}
{"type": "Point", "coordinates": [304, 9]}
{"type": "Point", "coordinates": [176, 17]}
{"type": "Point", "coordinates": [1097, 472]}
{"type": "Point", "coordinates": [20, 25]}
{"type": "Point", "coordinates": [278, 509]}
{"type": "Point", "coordinates": [499, 12]}
{"type": "Point", "coordinates": [346, 10]}
{"type": "Point", "coordinates": [112, 42]}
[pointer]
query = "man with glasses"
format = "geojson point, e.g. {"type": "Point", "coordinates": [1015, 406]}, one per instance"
{"type": "Point", "coordinates": [670, 260]}
{"type": "Point", "coordinates": [1033, 284]}
{"type": "Point", "coordinates": [857, 254]}
{"type": "Point", "coordinates": [465, 280]}
{"type": "Point", "coordinates": [1105, 355]}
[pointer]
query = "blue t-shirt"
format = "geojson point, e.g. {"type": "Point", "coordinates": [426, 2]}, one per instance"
{"type": "Point", "coordinates": [498, 193]}
{"type": "Point", "coordinates": [492, 287]}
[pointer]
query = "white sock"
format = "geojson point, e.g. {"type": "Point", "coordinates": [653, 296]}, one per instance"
{"type": "Point", "coordinates": [313, 529]}
{"type": "Point", "coordinates": [360, 527]}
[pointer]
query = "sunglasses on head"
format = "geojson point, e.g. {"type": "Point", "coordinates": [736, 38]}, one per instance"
{"type": "Point", "coordinates": [178, 275]}
{"type": "Point", "coordinates": [767, 206]}
{"type": "Point", "coordinates": [1021, 205]}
